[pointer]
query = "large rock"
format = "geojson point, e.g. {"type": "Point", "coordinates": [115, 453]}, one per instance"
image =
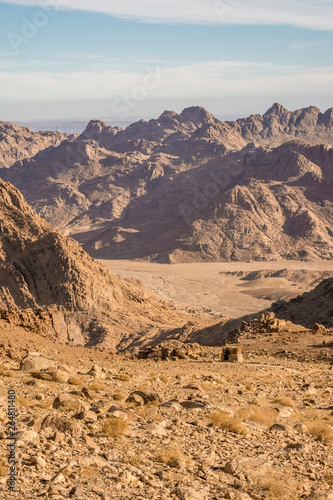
{"type": "Point", "coordinates": [36, 361]}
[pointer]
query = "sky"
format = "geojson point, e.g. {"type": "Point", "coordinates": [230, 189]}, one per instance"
{"type": "Point", "coordinates": [105, 59]}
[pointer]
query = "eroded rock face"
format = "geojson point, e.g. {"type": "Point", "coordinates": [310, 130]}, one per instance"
{"type": "Point", "coordinates": [49, 284]}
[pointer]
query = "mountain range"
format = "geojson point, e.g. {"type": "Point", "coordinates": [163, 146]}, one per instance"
{"type": "Point", "coordinates": [186, 187]}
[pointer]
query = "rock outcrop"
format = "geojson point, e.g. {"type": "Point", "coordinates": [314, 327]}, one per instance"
{"type": "Point", "coordinates": [47, 281]}
{"type": "Point", "coordinates": [309, 309]}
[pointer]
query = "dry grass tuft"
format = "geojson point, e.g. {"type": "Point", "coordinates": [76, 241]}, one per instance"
{"type": "Point", "coordinates": [284, 401]}
{"type": "Point", "coordinates": [172, 456]}
{"type": "Point", "coordinates": [320, 429]}
{"type": "Point", "coordinates": [135, 459]}
{"type": "Point", "coordinates": [266, 415]}
{"type": "Point", "coordinates": [165, 379]}
{"type": "Point", "coordinates": [207, 386]}
{"type": "Point", "coordinates": [276, 484]}
{"type": "Point", "coordinates": [114, 427]}
{"type": "Point", "coordinates": [119, 396]}
{"type": "Point", "coordinates": [225, 421]}
{"type": "Point", "coordinates": [96, 386]}
{"type": "Point", "coordinates": [75, 380]}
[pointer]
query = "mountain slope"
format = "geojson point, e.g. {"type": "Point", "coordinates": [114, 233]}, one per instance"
{"type": "Point", "coordinates": [310, 308]}
{"type": "Point", "coordinates": [40, 268]}
{"type": "Point", "coordinates": [189, 187]}
{"type": "Point", "coordinates": [18, 143]}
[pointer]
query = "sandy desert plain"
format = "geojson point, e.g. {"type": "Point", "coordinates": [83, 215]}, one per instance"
{"type": "Point", "coordinates": [223, 287]}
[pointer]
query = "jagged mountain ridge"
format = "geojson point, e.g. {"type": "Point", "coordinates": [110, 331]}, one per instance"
{"type": "Point", "coordinates": [40, 268]}
{"type": "Point", "coordinates": [189, 187]}
{"type": "Point", "coordinates": [18, 143]}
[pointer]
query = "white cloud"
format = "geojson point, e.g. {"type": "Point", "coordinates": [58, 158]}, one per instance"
{"type": "Point", "coordinates": [195, 82]}
{"type": "Point", "coordinates": [313, 14]}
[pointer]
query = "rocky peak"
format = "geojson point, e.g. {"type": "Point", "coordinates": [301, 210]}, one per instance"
{"type": "Point", "coordinates": [197, 115]}
{"type": "Point", "coordinates": [277, 109]}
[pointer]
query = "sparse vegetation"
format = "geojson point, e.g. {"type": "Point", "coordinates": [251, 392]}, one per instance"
{"type": "Point", "coordinates": [114, 427]}
{"type": "Point", "coordinates": [172, 456]}
{"type": "Point", "coordinates": [276, 484]}
{"type": "Point", "coordinates": [226, 421]}
{"type": "Point", "coordinates": [96, 386]}
{"type": "Point", "coordinates": [321, 429]}
{"type": "Point", "coordinates": [284, 401]}
{"type": "Point", "coordinates": [119, 396]}
{"type": "Point", "coordinates": [165, 379]}
{"type": "Point", "coordinates": [74, 380]}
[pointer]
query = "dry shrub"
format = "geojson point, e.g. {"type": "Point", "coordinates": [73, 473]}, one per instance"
{"type": "Point", "coordinates": [266, 416]}
{"type": "Point", "coordinates": [25, 402]}
{"type": "Point", "coordinates": [172, 456]}
{"type": "Point", "coordinates": [284, 401]}
{"type": "Point", "coordinates": [165, 379]}
{"type": "Point", "coordinates": [207, 386]}
{"type": "Point", "coordinates": [320, 429]}
{"type": "Point", "coordinates": [114, 427]}
{"type": "Point", "coordinates": [225, 421]}
{"type": "Point", "coordinates": [75, 380]}
{"type": "Point", "coordinates": [135, 459]}
{"type": "Point", "coordinates": [123, 377]}
{"type": "Point", "coordinates": [276, 484]}
{"type": "Point", "coordinates": [119, 396]}
{"type": "Point", "coordinates": [313, 414]}
{"type": "Point", "coordinates": [96, 386]}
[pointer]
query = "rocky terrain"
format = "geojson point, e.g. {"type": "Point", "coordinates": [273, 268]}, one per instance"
{"type": "Point", "coordinates": [315, 306]}
{"type": "Point", "coordinates": [18, 143]}
{"type": "Point", "coordinates": [189, 188]}
{"type": "Point", "coordinates": [49, 284]}
{"type": "Point", "coordinates": [91, 424]}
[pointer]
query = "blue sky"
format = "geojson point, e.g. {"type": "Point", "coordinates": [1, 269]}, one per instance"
{"type": "Point", "coordinates": [107, 59]}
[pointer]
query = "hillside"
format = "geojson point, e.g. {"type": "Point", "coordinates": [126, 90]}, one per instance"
{"type": "Point", "coordinates": [18, 143]}
{"type": "Point", "coordinates": [41, 270]}
{"type": "Point", "coordinates": [313, 307]}
{"type": "Point", "coordinates": [187, 187]}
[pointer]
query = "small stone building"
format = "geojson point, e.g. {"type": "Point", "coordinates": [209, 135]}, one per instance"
{"type": "Point", "coordinates": [232, 353]}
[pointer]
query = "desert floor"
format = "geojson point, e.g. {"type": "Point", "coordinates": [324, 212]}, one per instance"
{"type": "Point", "coordinates": [207, 286]}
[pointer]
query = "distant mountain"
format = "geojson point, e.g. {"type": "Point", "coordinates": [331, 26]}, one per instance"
{"type": "Point", "coordinates": [40, 268]}
{"type": "Point", "coordinates": [18, 143]}
{"type": "Point", "coordinates": [188, 187]}
{"type": "Point", "coordinates": [68, 126]}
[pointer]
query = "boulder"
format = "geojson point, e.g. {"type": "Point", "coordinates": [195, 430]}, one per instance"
{"type": "Point", "coordinates": [36, 361]}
